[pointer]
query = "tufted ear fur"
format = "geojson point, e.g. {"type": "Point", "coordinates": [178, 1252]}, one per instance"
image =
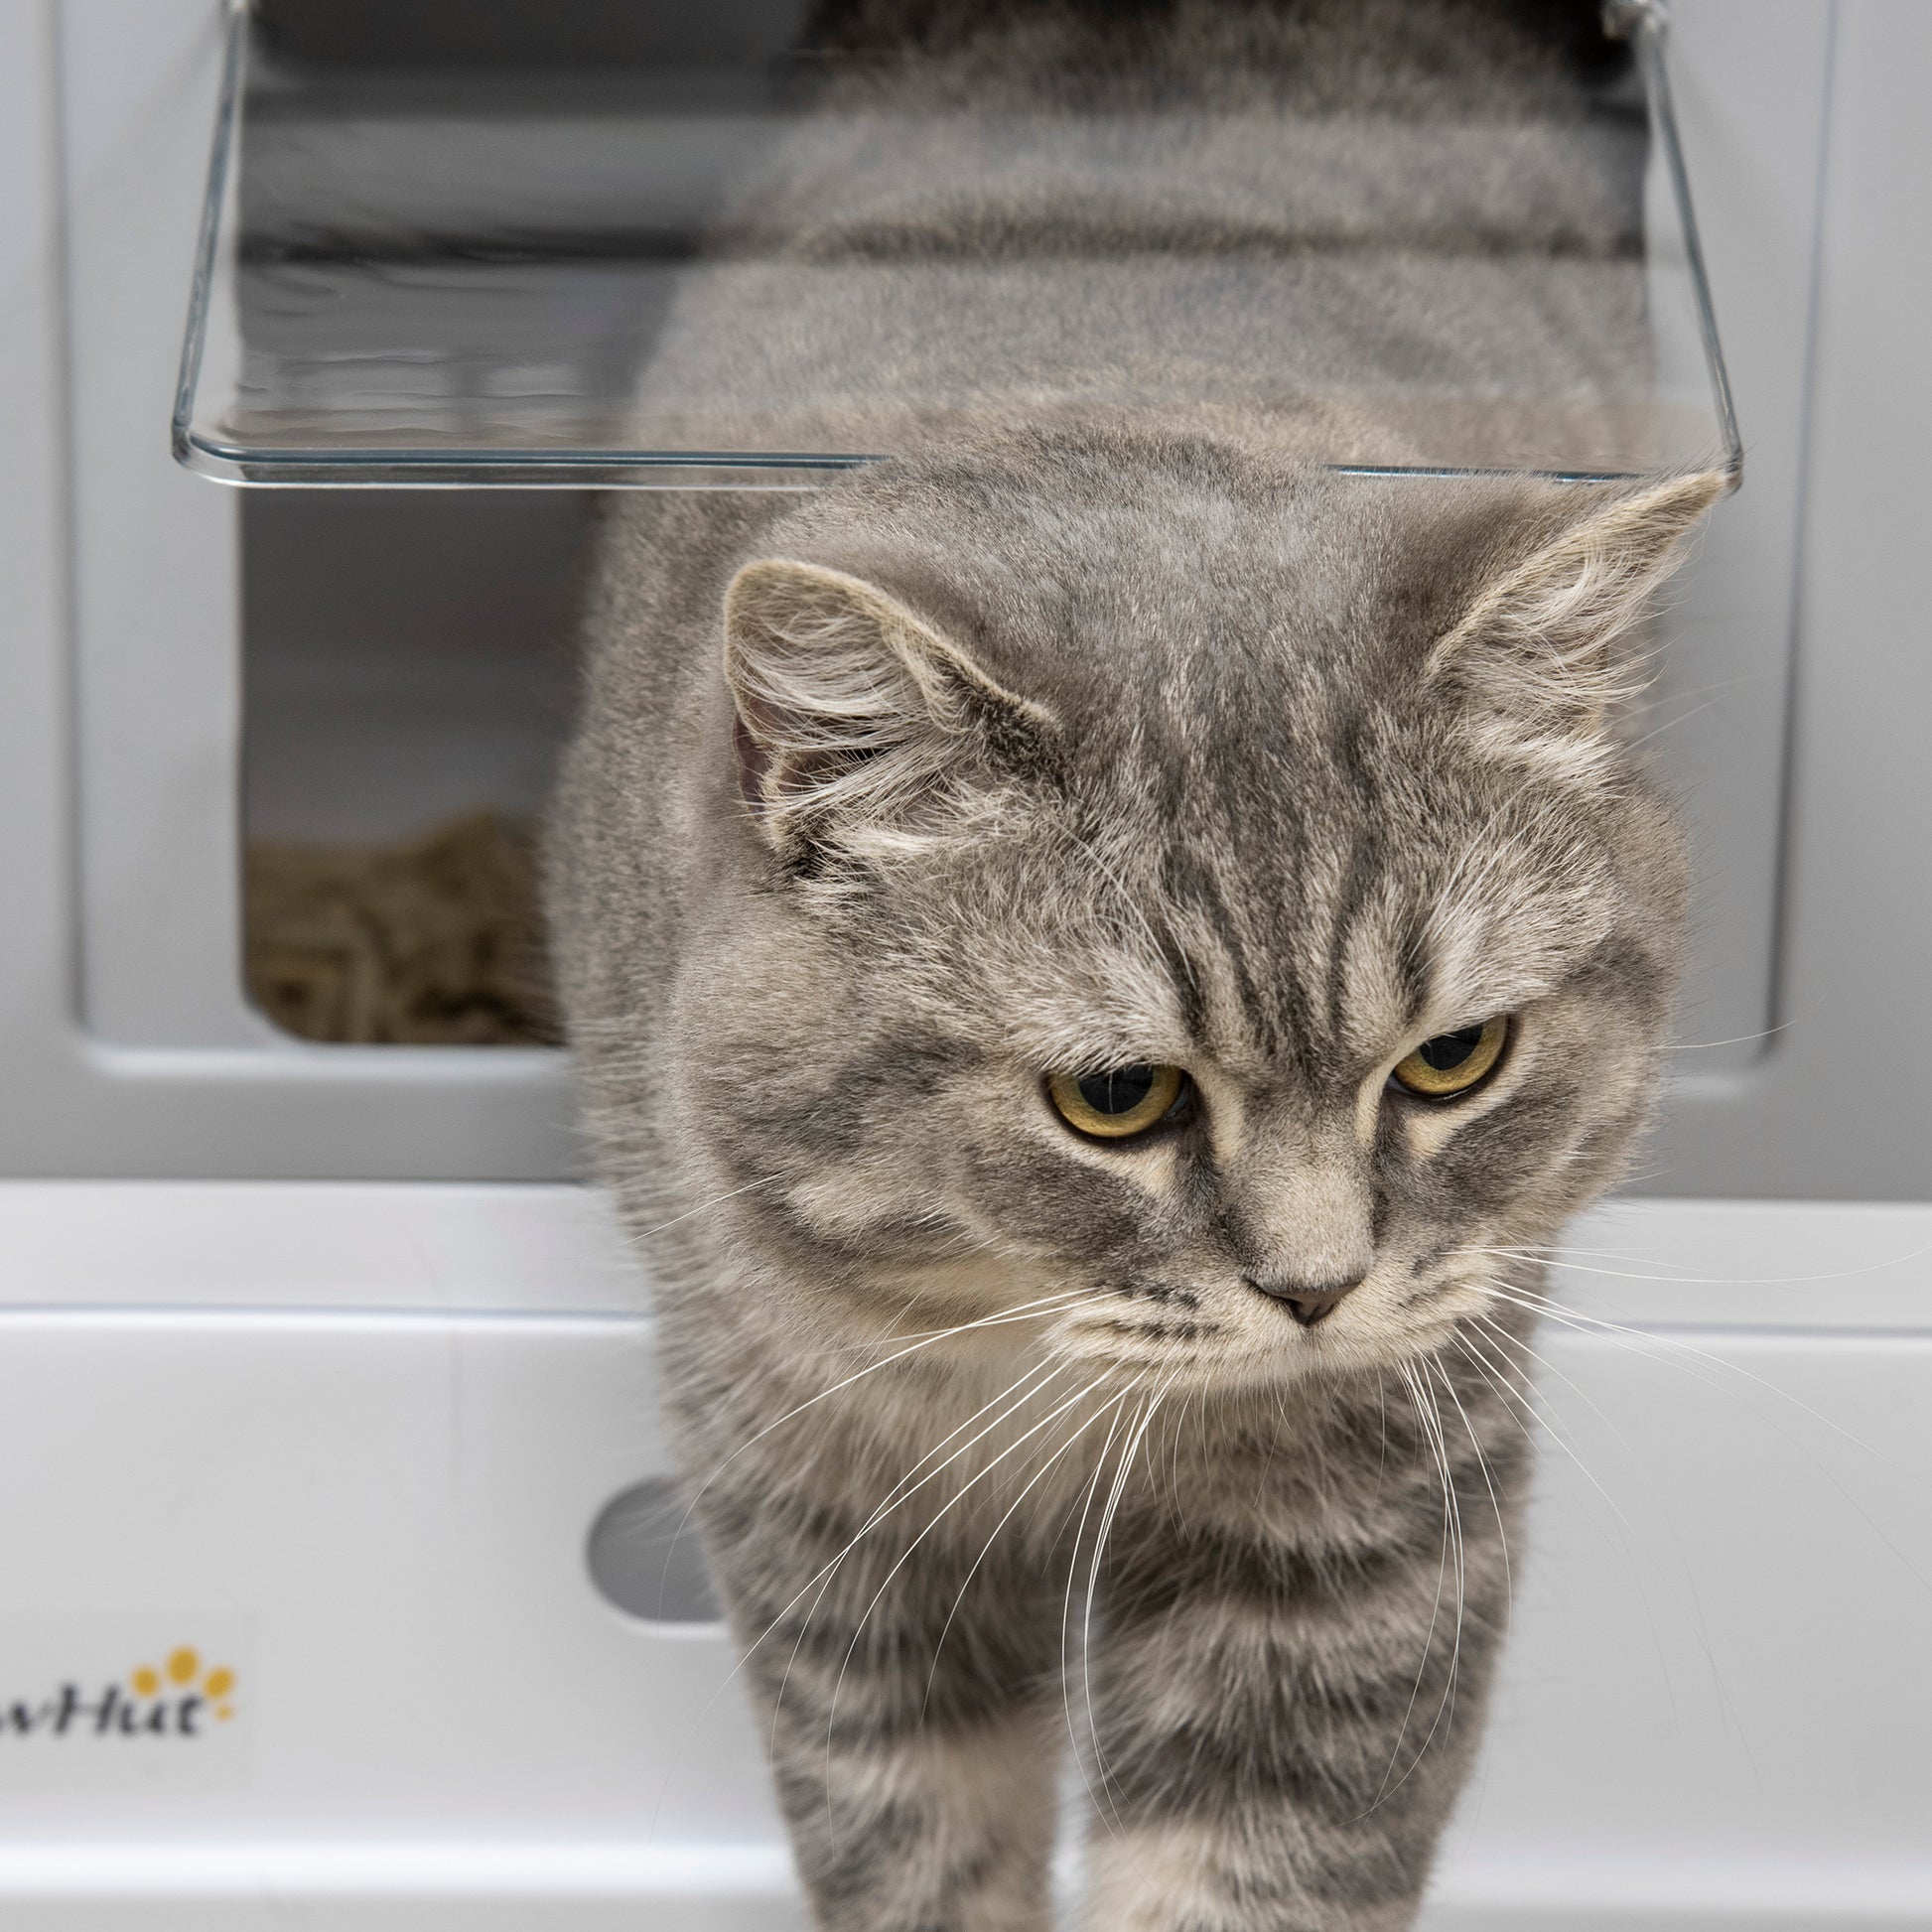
{"type": "Point", "coordinates": [858, 724]}
{"type": "Point", "coordinates": [1535, 655]}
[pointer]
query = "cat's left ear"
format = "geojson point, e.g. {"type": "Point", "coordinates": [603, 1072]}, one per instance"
{"type": "Point", "coordinates": [860, 722]}
{"type": "Point", "coordinates": [1536, 654]}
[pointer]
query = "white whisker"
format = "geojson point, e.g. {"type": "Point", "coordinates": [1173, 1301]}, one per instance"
{"type": "Point", "coordinates": [1049, 1305]}
{"type": "Point", "coordinates": [1136, 1435]}
{"type": "Point", "coordinates": [1038, 1476]}
{"type": "Point", "coordinates": [1489, 1482]}
{"type": "Point", "coordinates": [1410, 1382]}
{"type": "Point", "coordinates": [946, 1510]}
{"type": "Point", "coordinates": [704, 1207]}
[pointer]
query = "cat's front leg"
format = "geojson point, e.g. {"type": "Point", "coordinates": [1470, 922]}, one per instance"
{"type": "Point", "coordinates": [1283, 1717]}
{"type": "Point", "coordinates": [914, 1748]}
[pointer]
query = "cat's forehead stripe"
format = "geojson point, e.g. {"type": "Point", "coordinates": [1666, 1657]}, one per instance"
{"type": "Point", "coordinates": [1363, 956]}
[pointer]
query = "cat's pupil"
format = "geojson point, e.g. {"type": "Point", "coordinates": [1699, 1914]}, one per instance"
{"type": "Point", "coordinates": [1119, 1091]}
{"type": "Point", "coordinates": [1451, 1049]}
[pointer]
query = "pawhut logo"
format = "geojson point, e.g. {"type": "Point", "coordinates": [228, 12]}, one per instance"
{"type": "Point", "coordinates": [181, 1697]}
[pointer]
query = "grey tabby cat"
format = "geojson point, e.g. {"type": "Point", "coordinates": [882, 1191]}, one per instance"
{"type": "Point", "coordinates": [1100, 950]}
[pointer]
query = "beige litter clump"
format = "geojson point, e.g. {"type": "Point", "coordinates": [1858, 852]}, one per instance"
{"type": "Point", "coordinates": [436, 939]}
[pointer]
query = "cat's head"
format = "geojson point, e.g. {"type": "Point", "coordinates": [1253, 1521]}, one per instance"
{"type": "Point", "coordinates": [1194, 886]}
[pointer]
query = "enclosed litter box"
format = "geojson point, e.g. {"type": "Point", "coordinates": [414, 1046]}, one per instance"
{"type": "Point", "coordinates": [329, 1379]}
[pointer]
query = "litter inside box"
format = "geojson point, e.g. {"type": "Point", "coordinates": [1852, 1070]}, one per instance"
{"type": "Point", "coordinates": [433, 940]}
{"type": "Point", "coordinates": [409, 666]}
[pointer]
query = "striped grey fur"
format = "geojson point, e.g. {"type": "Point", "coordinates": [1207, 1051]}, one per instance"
{"type": "Point", "coordinates": [1062, 746]}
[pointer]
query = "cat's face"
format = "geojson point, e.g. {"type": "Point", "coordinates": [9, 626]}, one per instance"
{"type": "Point", "coordinates": [1209, 907]}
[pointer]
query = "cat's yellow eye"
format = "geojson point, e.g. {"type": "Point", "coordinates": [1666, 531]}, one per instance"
{"type": "Point", "coordinates": [1122, 1101]}
{"type": "Point", "coordinates": [1454, 1064]}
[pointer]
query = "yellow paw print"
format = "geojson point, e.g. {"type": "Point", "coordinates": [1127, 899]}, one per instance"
{"type": "Point", "coordinates": [182, 1671]}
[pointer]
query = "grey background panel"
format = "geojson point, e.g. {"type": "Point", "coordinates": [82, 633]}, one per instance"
{"type": "Point", "coordinates": [127, 1046]}
{"type": "Point", "coordinates": [154, 585]}
{"type": "Point", "coordinates": [1753, 108]}
{"type": "Point", "coordinates": [1841, 1102]}
{"type": "Point", "coordinates": [407, 654]}
{"type": "Point", "coordinates": [132, 1051]}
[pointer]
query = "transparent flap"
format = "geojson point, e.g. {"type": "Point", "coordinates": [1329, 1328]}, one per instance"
{"type": "Point", "coordinates": [757, 268]}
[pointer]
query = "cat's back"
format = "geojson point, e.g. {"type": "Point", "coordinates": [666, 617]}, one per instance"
{"type": "Point", "coordinates": [1335, 219]}
{"type": "Point", "coordinates": [639, 780]}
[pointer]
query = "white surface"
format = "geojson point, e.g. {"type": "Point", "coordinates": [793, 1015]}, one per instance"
{"type": "Point", "coordinates": [1792, 1265]}
{"type": "Point", "coordinates": [1712, 1707]}
{"type": "Point", "coordinates": [453, 1247]}
{"type": "Point", "coordinates": [446, 1248]}
{"type": "Point", "coordinates": [584, 1888]}
{"type": "Point", "coordinates": [397, 1507]}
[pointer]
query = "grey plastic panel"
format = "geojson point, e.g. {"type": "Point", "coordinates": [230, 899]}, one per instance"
{"type": "Point", "coordinates": [1752, 107]}
{"type": "Point", "coordinates": [155, 577]}
{"type": "Point", "coordinates": [1841, 1103]}
{"type": "Point", "coordinates": [129, 1048]}
{"type": "Point", "coordinates": [408, 654]}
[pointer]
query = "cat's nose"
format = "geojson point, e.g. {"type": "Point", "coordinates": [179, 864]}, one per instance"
{"type": "Point", "coordinates": [1307, 1301]}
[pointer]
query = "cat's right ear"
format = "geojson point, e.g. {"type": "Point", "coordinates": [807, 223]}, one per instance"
{"type": "Point", "coordinates": [858, 723]}
{"type": "Point", "coordinates": [1538, 659]}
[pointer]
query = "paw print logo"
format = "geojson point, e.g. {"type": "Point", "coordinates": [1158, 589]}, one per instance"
{"type": "Point", "coordinates": [182, 1675]}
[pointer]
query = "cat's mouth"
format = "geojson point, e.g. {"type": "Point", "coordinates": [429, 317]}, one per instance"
{"type": "Point", "coordinates": [1248, 1333]}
